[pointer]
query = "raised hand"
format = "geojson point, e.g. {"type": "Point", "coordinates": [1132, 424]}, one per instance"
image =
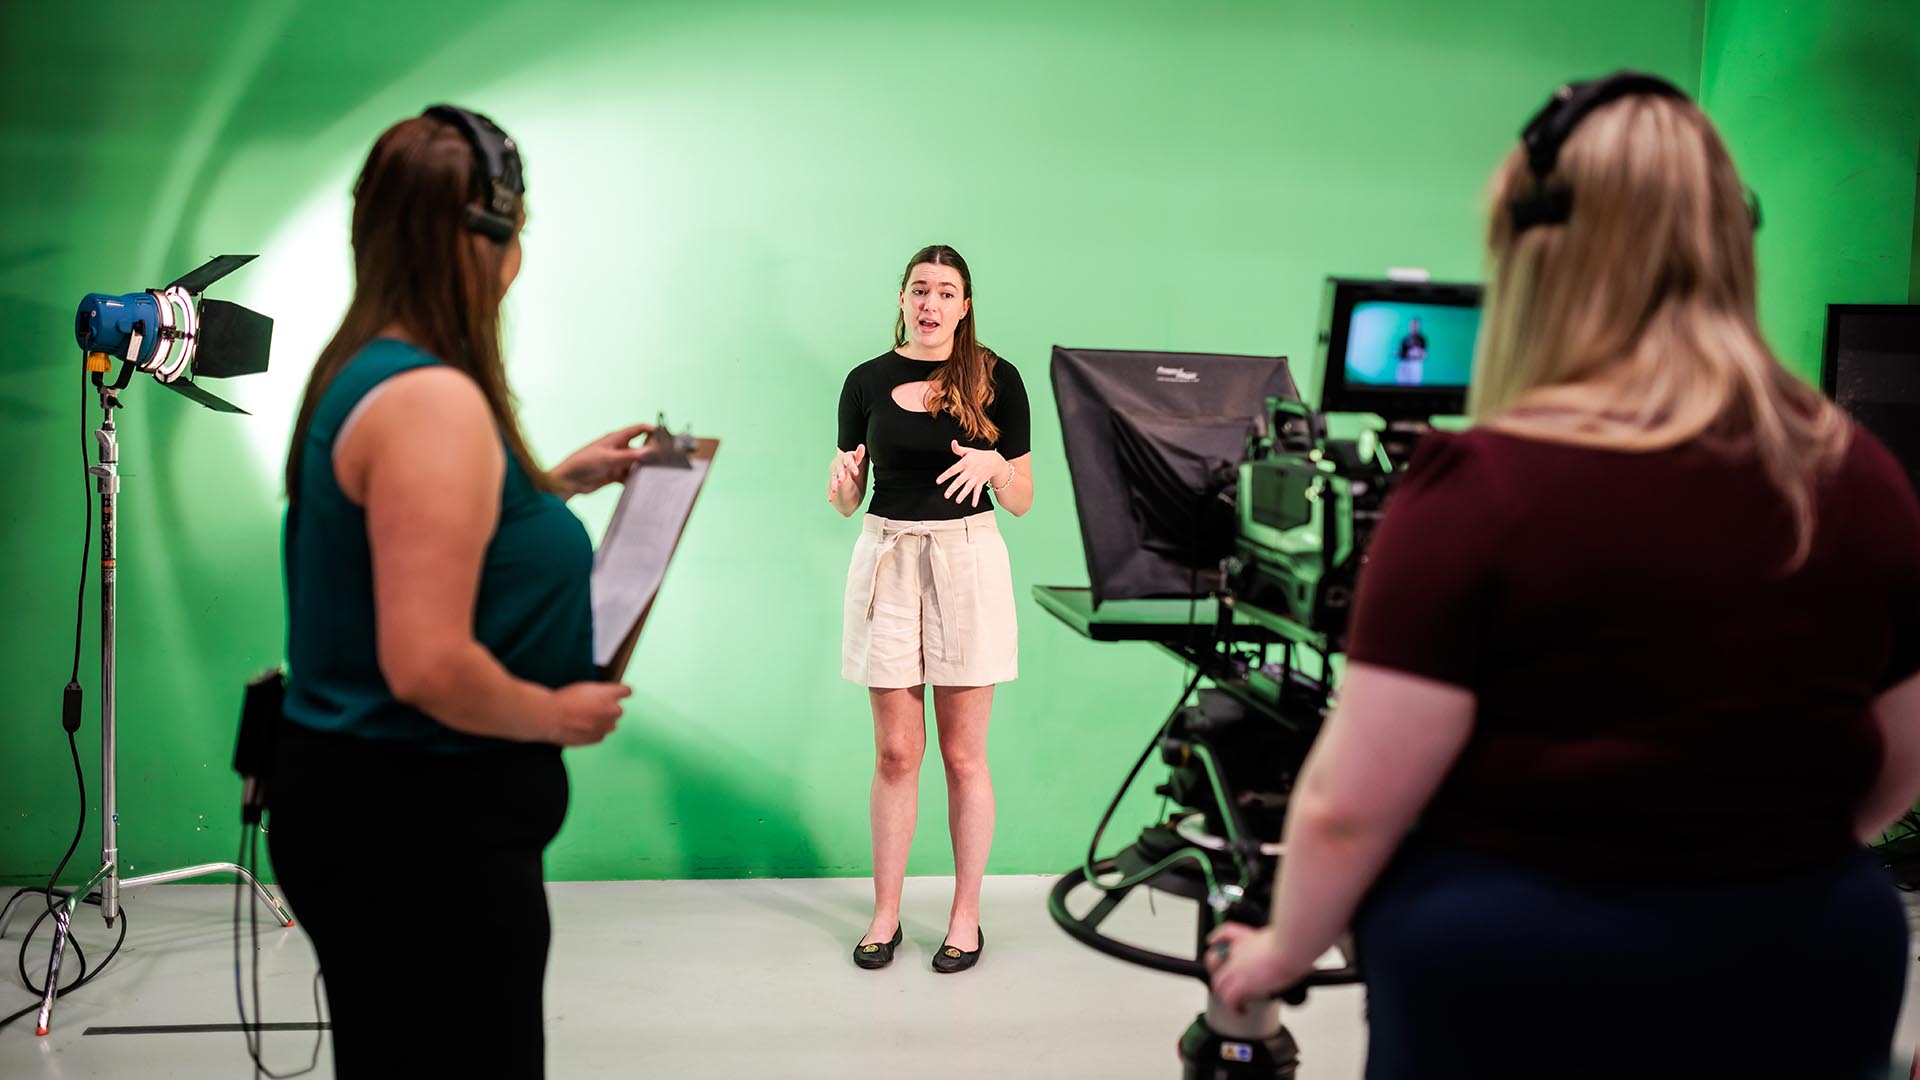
{"type": "Point", "coordinates": [843, 481]}
{"type": "Point", "coordinates": [976, 469]}
{"type": "Point", "coordinates": [603, 461]}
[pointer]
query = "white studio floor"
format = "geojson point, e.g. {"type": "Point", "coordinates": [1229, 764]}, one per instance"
{"type": "Point", "coordinates": [627, 994]}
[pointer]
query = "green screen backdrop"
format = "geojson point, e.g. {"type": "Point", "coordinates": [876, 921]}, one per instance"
{"type": "Point", "coordinates": [722, 196]}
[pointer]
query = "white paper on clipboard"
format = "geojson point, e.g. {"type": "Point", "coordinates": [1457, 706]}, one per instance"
{"type": "Point", "coordinates": [632, 560]}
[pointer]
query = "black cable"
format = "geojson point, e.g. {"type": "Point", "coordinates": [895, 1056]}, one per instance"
{"type": "Point", "coordinates": [1193, 610]}
{"type": "Point", "coordinates": [70, 720]}
{"type": "Point", "coordinates": [1193, 619]}
{"type": "Point", "coordinates": [52, 892]}
{"type": "Point", "coordinates": [249, 858]}
{"type": "Point", "coordinates": [1199, 672]}
{"type": "Point", "coordinates": [70, 705]}
{"type": "Point", "coordinates": [86, 533]}
{"type": "Point", "coordinates": [1100, 830]}
{"type": "Point", "coordinates": [11, 1017]}
{"type": "Point", "coordinates": [74, 943]}
{"type": "Point", "coordinates": [79, 954]}
{"type": "Point", "coordinates": [239, 996]}
{"type": "Point", "coordinates": [79, 828]}
{"type": "Point", "coordinates": [252, 835]}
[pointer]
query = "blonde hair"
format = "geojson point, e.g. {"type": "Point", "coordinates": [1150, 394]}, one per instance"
{"type": "Point", "coordinates": [1632, 325]}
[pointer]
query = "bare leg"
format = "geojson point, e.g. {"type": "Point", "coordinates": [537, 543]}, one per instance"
{"type": "Point", "coordinates": [961, 712]}
{"type": "Point", "coordinates": [899, 743]}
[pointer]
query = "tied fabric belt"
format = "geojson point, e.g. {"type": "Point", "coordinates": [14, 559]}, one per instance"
{"type": "Point", "coordinates": [955, 602]}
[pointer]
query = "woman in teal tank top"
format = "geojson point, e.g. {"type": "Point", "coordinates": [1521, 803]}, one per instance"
{"type": "Point", "coordinates": [439, 630]}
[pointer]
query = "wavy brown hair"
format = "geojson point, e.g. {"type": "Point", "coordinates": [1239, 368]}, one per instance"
{"type": "Point", "coordinates": [1632, 325]}
{"type": "Point", "coordinates": [963, 383]}
{"type": "Point", "coordinates": [417, 264]}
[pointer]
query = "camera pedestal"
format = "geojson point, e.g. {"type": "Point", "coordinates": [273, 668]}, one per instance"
{"type": "Point", "coordinates": [1233, 719]}
{"type": "Point", "coordinates": [1223, 1045]}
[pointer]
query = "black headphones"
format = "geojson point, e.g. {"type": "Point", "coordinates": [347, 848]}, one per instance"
{"type": "Point", "coordinates": [496, 172]}
{"type": "Point", "coordinates": [1550, 128]}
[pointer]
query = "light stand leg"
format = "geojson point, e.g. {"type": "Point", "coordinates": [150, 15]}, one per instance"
{"type": "Point", "coordinates": [267, 898]}
{"type": "Point", "coordinates": [62, 930]}
{"type": "Point", "coordinates": [62, 925]}
{"type": "Point", "coordinates": [63, 914]}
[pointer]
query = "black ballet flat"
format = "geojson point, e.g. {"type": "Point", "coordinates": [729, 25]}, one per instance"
{"type": "Point", "coordinates": [877, 955]}
{"type": "Point", "coordinates": [950, 960]}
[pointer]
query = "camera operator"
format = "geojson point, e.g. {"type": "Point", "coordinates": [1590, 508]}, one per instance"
{"type": "Point", "coordinates": [1637, 652]}
{"type": "Point", "coordinates": [439, 630]}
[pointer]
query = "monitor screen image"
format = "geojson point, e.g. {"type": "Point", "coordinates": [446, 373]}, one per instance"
{"type": "Point", "coordinates": [1394, 343]}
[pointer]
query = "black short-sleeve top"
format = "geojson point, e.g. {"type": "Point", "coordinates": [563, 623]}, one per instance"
{"type": "Point", "coordinates": [908, 449]}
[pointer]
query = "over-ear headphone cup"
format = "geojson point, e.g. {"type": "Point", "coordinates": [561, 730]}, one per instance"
{"type": "Point", "coordinates": [496, 170]}
{"type": "Point", "coordinates": [1550, 207]}
{"type": "Point", "coordinates": [1550, 128]}
{"type": "Point", "coordinates": [490, 224]}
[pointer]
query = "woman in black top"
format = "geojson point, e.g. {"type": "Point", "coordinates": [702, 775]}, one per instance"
{"type": "Point", "coordinates": [943, 423]}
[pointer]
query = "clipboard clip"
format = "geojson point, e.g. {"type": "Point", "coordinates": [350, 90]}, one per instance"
{"type": "Point", "coordinates": [670, 449]}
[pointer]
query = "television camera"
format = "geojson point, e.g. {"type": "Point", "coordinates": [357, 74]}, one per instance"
{"type": "Point", "coordinates": [1226, 521]}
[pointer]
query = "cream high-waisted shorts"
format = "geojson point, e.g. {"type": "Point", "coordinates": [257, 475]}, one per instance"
{"type": "Point", "coordinates": [929, 602]}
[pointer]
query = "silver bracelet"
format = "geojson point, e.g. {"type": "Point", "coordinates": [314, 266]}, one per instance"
{"type": "Point", "coordinates": [1012, 475]}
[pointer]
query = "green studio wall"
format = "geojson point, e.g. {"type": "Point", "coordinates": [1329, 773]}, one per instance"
{"type": "Point", "coordinates": [1913, 274]}
{"type": "Point", "coordinates": [721, 198]}
{"type": "Point", "coordinates": [1820, 103]}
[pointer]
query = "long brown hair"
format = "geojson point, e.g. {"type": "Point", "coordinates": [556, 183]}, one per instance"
{"type": "Point", "coordinates": [963, 383]}
{"type": "Point", "coordinates": [1632, 325]}
{"type": "Point", "coordinates": [417, 264]}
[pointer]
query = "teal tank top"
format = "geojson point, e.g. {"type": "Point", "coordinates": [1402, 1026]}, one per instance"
{"type": "Point", "coordinates": [533, 611]}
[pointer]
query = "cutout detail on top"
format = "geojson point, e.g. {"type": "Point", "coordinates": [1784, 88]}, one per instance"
{"type": "Point", "coordinates": [912, 396]}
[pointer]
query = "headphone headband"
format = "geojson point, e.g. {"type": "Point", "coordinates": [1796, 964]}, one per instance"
{"type": "Point", "coordinates": [1548, 131]}
{"type": "Point", "coordinates": [497, 177]}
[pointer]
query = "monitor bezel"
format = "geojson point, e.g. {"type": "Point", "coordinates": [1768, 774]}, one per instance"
{"type": "Point", "coordinates": [1337, 395]}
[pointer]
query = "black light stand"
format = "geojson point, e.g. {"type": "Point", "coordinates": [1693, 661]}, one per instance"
{"type": "Point", "coordinates": [234, 343]}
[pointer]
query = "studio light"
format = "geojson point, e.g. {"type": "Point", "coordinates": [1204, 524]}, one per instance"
{"type": "Point", "coordinates": [177, 337]}
{"type": "Point", "coordinates": [174, 335]}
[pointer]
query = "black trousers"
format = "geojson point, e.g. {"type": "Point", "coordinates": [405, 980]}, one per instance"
{"type": "Point", "coordinates": [418, 877]}
{"type": "Point", "coordinates": [1476, 968]}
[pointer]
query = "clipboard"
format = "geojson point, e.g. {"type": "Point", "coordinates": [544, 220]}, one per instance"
{"type": "Point", "coordinates": [631, 560]}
